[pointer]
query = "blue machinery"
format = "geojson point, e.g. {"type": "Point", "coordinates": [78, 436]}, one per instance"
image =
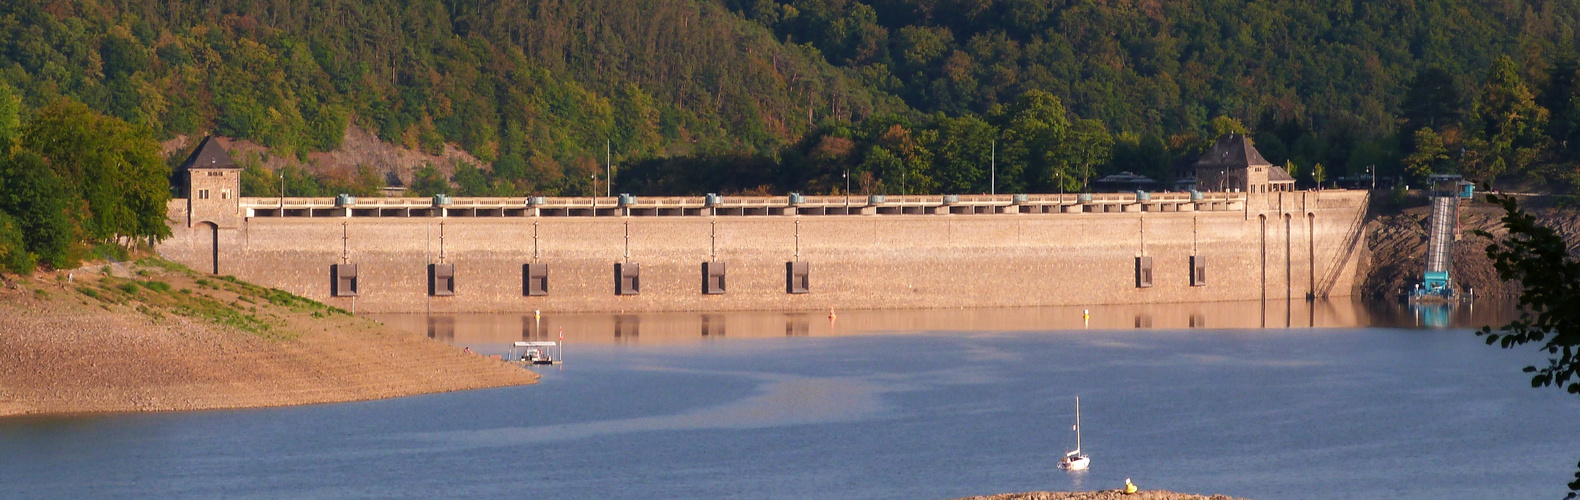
{"type": "Point", "coordinates": [1436, 282]}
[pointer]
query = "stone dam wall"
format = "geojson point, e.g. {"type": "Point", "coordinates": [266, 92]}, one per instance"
{"type": "Point", "coordinates": [1271, 246]}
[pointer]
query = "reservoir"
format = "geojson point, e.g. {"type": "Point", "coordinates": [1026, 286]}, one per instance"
{"type": "Point", "coordinates": [1331, 400]}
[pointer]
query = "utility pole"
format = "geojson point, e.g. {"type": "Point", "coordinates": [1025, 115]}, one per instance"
{"type": "Point", "coordinates": [993, 161]}
{"type": "Point", "coordinates": [847, 191]}
{"type": "Point", "coordinates": [608, 159]}
{"type": "Point", "coordinates": [282, 191]}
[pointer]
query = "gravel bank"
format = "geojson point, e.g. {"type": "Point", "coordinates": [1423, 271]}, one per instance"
{"type": "Point", "coordinates": [156, 337]}
{"type": "Point", "coordinates": [1099, 495]}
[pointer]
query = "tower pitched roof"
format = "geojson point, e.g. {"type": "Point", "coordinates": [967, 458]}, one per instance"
{"type": "Point", "coordinates": [1233, 151]}
{"type": "Point", "coordinates": [1278, 174]}
{"type": "Point", "coordinates": [209, 154]}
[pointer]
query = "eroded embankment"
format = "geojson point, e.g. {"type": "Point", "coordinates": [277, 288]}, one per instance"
{"type": "Point", "coordinates": [1396, 248]}
{"type": "Point", "coordinates": [1099, 495]}
{"type": "Point", "coordinates": [157, 337]}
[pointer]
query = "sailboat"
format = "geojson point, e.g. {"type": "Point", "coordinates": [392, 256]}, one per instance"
{"type": "Point", "coordinates": [1076, 460]}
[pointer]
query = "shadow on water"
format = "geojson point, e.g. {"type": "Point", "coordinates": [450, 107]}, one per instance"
{"type": "Point", "coordinates": [679, 328]}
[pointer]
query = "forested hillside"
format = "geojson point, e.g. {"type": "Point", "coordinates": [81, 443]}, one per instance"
{"type": "Point", "coordinates": [537, 87]}
{"type": "Point", "coordinates": [1343, 83]}
{"type": "Point", "coordinates": [897, 96]}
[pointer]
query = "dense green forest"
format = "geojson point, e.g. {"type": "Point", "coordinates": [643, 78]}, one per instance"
{"type": "Point", "coordinates": [1346, 84]}
{"type": "Point", "coordinates": [74, 181]}
{"type": "Point", "coordinates": [534, 88]}
{"type": "Point", "coordinates": [900, 96]}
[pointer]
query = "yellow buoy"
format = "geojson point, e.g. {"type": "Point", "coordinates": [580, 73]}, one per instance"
{"type": "Point", "coordinates": [1130, 488]}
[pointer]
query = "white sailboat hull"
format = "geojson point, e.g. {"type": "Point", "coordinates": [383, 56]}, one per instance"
{"type": "Point", "coordinates": [1076, 464]}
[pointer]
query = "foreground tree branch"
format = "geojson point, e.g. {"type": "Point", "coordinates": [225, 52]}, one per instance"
{"type": "Point", "coordinates": [1538, 258]}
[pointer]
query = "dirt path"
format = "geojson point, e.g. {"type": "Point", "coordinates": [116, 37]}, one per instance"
{"type": "Point", "coordinates": [156, 338]}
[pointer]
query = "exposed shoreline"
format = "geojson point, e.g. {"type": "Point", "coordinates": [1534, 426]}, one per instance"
{"type": "Point", "coordinates": [1396, 240]}
{"type": "Point", "coordinates": [158, 337]}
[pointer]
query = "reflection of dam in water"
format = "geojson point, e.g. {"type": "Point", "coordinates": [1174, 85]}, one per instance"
{"type": "Point", "coordinates": [670, 328]}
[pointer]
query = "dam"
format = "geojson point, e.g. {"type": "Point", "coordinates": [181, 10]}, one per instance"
{"type": "Point", "coordinates": [725, 253]}
{"type": "Point", "coordinates": [981, 251]}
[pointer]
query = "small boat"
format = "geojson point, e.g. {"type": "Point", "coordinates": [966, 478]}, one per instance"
{"type": "Point", "coordinates": [1076, 460]}
{"type": "Point", "coordinates": [532, 353]}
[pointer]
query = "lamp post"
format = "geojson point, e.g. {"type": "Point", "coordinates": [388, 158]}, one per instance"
{"type": "Point", "coordinates": [847, 191]}
{"type": "Point", "coordinates": [282, 191]}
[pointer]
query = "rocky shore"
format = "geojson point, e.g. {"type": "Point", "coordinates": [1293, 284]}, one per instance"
{"type": "Point", "coordinates": [154, 336]}
{"type": "Point", "coordinates": [1099, 495]}
{"type": "Point", "coordinates": [1396, 248]}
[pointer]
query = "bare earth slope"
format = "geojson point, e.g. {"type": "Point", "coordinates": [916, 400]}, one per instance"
{"type": "Point", "coordinates": [1099, 495]}
{"type": "Point", "coordinates": [358, 147]}
{"type": "Point", "coordinates": [157, 337]}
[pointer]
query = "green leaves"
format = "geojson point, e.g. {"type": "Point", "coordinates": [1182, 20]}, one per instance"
{"type": "Point", "coordinates": [1507, 127]}
{"type": "Point", "coordinates": [14, 254]}
{"type": "Point", "coordinates": [10, 119]}
{"type": "Point", "coordinates": [428, 181]}
{"type": "Point", "coordinates": [42, 208]}
{"type": "Point", "coordinates": [69, 176]}
{"type": "Point", "coordinates": [1430, 156]}
{"type": "Point", "coordinates": [117, 169]}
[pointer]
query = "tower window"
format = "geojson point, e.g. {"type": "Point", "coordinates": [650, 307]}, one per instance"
{"type": "Point", "coordinates": [202, 194]}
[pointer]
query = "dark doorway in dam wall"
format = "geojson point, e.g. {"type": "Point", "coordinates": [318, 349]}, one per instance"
{"type": "Point", "coordinates": [208, 241]}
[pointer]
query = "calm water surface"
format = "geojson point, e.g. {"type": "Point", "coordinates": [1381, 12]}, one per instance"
{"type": "Point", "coordinates": [911, 404]}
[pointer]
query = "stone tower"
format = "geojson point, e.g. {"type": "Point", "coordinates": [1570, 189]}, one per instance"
{"type": "Point", "coordinates": [213, 186]}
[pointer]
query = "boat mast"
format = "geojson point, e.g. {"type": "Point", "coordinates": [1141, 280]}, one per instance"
{"type": "Point", "coordinates": [1077, 424]}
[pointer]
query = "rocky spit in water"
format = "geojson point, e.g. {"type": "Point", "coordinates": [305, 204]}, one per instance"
{"type": "Point", "coordinates": [1100, 495]}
